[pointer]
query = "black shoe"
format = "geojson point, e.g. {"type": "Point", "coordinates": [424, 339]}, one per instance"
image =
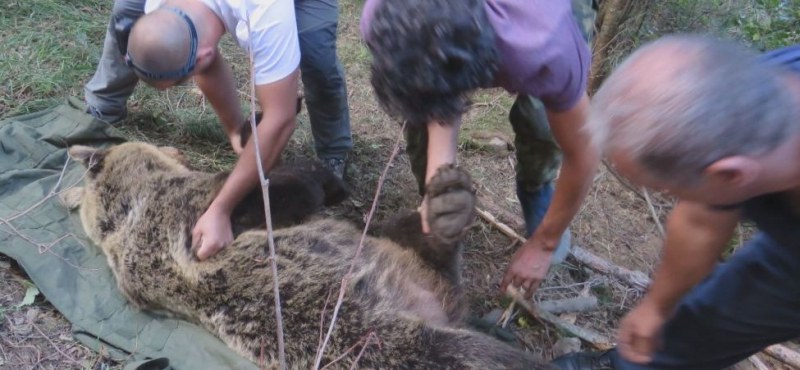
{"type": "Point", "coordinates": [336, 165]}
{"type": "Point", "coordinates": [585, 361]}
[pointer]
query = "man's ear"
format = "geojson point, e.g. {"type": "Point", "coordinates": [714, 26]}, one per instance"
{"type": "Point", "coordinates": [735, 171]}
{"type": "Point", "coordinates": [88, 156]}
{"type": "Point", "coordinates": [205, 56]}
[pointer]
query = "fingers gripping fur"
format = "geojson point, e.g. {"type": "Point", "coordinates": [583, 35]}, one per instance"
{"type": "Point", "coordinates": [451, 204]}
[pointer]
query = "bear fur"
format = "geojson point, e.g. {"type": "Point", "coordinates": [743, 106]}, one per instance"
{"type": "Point", "coordinates": [403, 299]}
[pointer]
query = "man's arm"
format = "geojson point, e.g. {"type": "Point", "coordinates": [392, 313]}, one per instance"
{"type": "Point", "coordinates": [580, 161]}
{"type": "Point", "coordinates": [442, 147]}
{"type": "Point", "coordinates": [278, 102]}
{"type": "Point", "coordinates": [530, 263]}
{"type": "Point", "coordinates": [696, 237]}
{"type": "Point", "coordinates": [218, 87]}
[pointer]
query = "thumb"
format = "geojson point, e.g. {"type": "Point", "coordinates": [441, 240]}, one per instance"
{"type": "Point", "coordinates": [204, 251]}
{"type": "Point", "coordinates": [426, 229]}
{"type": "Point", "coordinates": [197, 238]}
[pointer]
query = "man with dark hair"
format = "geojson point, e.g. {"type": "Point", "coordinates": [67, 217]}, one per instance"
{"type": "Point", "coordinates": [716, 126]}
{"type": "Point", "coordinates": [316, 21]}
{"type": "Point", "coordinates": [429, 55]}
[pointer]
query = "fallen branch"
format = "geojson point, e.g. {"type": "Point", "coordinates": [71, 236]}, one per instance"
{"type": "Point", "coordinates": [594, 338]}
{"type": "Point", "coordinates": [576, 304]}
{"type": "Point", "coordinates": [505, 229]}
{"type": "Point", "coordinates": [501, 213]}
{"type": "Point", "coordinates": [346, 277]}
{"type": "Point", "coordinates": [784, 354]}
{"type": "Point", "coordinates": [635, 278]}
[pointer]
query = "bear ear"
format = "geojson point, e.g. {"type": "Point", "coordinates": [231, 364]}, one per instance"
{"type": "Point", "coordinates": [176, 154]}
{"type": "Point", "coordinates": [71, 198]}
{"type": "Point", "coordinates": [88, 156]}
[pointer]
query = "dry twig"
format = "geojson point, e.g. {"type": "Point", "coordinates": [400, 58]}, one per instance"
{"type": "Point", "coordinates": [45, 247]}
{"type": "Point", "coordinates": [265, 196]}
{"type": "Point", "coordinates": [653, 213]}
{"type": "Point", "coordinates": [346, 277]}
{"type": "Point", "coordinates": [596, 339]}
{"type": "Point", "coordinates": [74, 361]}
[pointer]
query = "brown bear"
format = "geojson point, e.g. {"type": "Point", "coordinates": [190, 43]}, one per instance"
{"type": "Point", "coordinates": [403, 300]}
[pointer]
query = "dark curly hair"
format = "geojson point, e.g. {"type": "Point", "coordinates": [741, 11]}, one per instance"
{"type": "Point", "coordinates": [428, 55]}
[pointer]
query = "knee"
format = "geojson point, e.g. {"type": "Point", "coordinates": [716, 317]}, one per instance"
{"type": "Point", "coordinates": [128, 8]}
{"type": "Point", "coordinates": [318, 49]}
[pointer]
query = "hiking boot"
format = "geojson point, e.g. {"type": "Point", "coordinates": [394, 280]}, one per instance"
{"type": "Point", "coordinates": [336, 165]}
{"type": "Point", "coordinates": [585, 361]}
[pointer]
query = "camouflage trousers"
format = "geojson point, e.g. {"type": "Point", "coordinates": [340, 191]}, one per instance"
{"type": "Point", "coordinates": [538, 154]}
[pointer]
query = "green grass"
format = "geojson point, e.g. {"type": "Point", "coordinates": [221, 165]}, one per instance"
{"type": "Point", "coordinates": [49, 48]}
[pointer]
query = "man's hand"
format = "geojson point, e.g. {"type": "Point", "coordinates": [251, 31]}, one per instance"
{"type": "Point", "coordinates": [211, 233]}
{"type": "Point", "coordinates": [528, 267]}
{"type": "Point", "coordinates": [639, 332]}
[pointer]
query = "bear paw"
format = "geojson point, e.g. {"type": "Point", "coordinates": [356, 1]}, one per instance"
{"type": "Point", "coordinates": [451, 203]}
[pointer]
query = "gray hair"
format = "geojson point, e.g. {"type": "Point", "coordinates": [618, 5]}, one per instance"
{"type": "Point", "coordinates": [699, 100]}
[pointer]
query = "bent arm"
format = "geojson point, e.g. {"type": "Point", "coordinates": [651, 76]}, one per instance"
{"type": "Point", "coordinates": [442, 146]}
{"type": "Point", "coordinates": [580, 161]}
{"type": "Point", "coordinates": [696, 237]}
{"type": "Point", "coordinates": [218, 87]}
{"type": "Point", "coordinates": [277, 101]}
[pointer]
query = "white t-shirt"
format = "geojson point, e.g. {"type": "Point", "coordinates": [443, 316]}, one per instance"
{"type": "Point", "coordinates": [273, 27]}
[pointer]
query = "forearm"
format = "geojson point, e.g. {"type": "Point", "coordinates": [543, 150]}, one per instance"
{"type": "Point", "coordinates": [696, 236]}
{"type": "Point", "coordinates": [442, 146]}
{"type": "Point", "coordinates": [218, 86]}
{"type": "Point", "coordinates": [273, 137]}
{"type": "Point", "coordinates": [575, 179]}
{"type": "Point", "coordinates": [578, 166]}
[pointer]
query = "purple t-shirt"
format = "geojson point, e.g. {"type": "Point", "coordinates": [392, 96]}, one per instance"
{"type": "Point", "coordinates": [542, 51]}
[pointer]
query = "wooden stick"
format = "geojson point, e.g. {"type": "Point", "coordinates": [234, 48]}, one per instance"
{"type": "Point", "coordinates": [505, 229]}
{"type": "Point", "coordinates": [637, 279]}
{"type": "Point", "coordinates": [634, 278]}
{"type": "Point", "coordinates": [784, 354]}
{"type": "Point", "coordinates": [653, 212]}
{"type": "Point", "coordinates": [596, 339]}
{"type": "Point", "coordinates": [501, 213]}
{"type": "Point", "coordinates": [265, 195]}
{"type": "Point", "coordinates": [576, 304]}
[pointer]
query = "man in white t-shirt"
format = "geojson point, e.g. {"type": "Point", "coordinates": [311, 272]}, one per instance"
{"type": "Point", "coordinates": [178, 39]}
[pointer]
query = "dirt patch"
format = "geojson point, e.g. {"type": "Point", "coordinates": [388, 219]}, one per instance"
{"type": "Point", "coordinates": [33, 334]}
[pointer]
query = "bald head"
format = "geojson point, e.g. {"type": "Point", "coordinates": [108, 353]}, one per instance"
{"type": "Point", "coordinates": [160, 42]}
{"type": "Point", "coordinates": [680, 103]}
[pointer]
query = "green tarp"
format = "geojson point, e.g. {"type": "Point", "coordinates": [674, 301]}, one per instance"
{"type": "Point", "coordinates": [72, 272]}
